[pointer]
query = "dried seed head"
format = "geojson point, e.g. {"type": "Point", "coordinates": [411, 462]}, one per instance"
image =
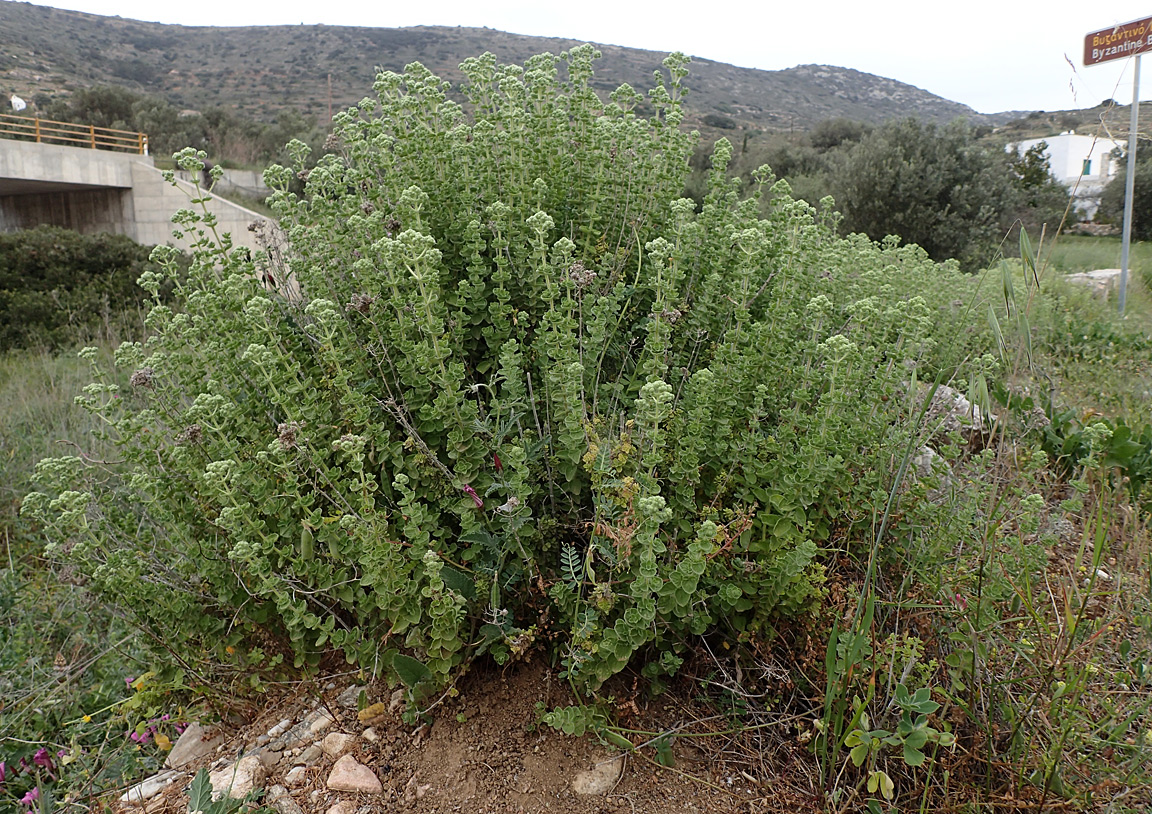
{"type": "Point", "coordinates": [142, 378]}
{"type": "Point", "coordinates": [508, 506]}
{"type": "Point", "coordinates": [671, 315]}
{"type": "Point", "coordinates": [361, 303]}
{"type": "Point", "coordinates": [287, 434]}
{"type": "Point", "coordinates": [581, 276]}
{"type": "Point", "coordinates": [333, 142]}
{"type": "Point", "coordinates": [192, 434]}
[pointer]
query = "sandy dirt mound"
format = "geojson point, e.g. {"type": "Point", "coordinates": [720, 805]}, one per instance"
{"type": "Point", "coordinates": [485, 751]}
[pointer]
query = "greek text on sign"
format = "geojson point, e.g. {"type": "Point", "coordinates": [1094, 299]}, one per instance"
{"type": "Point", "coordinates": [1117, 42]}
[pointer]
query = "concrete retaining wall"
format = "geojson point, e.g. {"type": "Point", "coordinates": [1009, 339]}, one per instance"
{"type": "Point", "coordinates": [102, 191]}
{"type": "Point", "coordinates": [154, 201]}
{"type": "Point", "coordinates": [86, 211]}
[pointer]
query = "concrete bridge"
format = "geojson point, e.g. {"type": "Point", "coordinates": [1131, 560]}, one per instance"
{"type": "Point", "coordinates": [90, 190]}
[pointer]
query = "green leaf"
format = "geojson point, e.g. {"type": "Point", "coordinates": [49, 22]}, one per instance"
{"type": "Point", "coordinates": [410, 671]}
{"type": "Point", "coordinates": [912, 756]}
{"type": "Point", "coordinates": [458, 581]}
{"type": "Point", "coordinates": [881, 780]}
{"type": "Point", "coordinates": [664, 754]}
{"type": "Point", "coordinates": [916, 739]}
{"type": "Point", "coordinates": [200, 792]}
{"type": "Point", "coordinates": [618, 740]}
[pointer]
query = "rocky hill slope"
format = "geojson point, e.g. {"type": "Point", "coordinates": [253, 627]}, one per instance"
{"type": "Point", "coordinates": [260, 71]}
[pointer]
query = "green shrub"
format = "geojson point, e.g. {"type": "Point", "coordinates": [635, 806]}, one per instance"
{"type": "Point", "coordinates": [56, 284]}
{"type": "Point", "coordinates": [510, 386]}
{"type": "Point", "coordinates": [1112, 201]}
{"type": "Point", "coordinates": [935, 187]}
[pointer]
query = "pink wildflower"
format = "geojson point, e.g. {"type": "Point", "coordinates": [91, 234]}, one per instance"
{"type": "Point", "coordinates": [31, 797]}
{"type": "Point", "coordinates": [468, 490]}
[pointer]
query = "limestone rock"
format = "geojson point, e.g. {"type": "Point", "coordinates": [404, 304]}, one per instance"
{"type": "Point", "coordinates": [350, 775]}
{"type": "Point", "coordinates": [149, 788]}
{"type": "Point", "coordinates": [279, 798]}
{"type": "Point", "coordinates": [343, 807]}
{"type": "Point", "coordinates": [928, 464]}
{"type": "Point", "coordinates": [337, 744]}
{"type": "Point", "coordinates": [280, 728]}
{"type": "Point", "coordinates": [296, 775]}
{"type": "Point", "coordinates": [309, 756]}
{"type": "Point", "coordinates": [350, 697]}
{"type": "Point", "coordinates": [269, 758]}
{"type": "Point", "coordinates": [195, 742]}
{"type": "Point", "coordinates": [949, 411]}
{"type": "Point", "coordinates": [1100, 282]}
{"type": "Point", "coordinates": [601, 778]}
{"type": "Point", "coordinates": [415, 790]}
{"type": "Point", "coordinates": [239, 778]}
{"type": "Point", "coordinates": [319, 720]}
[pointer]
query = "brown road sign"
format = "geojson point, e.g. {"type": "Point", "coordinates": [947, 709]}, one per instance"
{"type": "Point", "coordinates": [1118, 42]}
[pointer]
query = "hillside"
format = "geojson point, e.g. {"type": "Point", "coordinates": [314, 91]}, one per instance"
{"type": "Point", "coordinates": [259, 71]}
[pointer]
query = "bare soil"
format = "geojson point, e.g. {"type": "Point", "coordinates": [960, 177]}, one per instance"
{"type": "Point", "coordinates": [487, 751]}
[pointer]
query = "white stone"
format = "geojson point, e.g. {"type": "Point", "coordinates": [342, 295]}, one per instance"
{"type": "Point", "coordinates": [280, 728]}
{"type": "Point", "coordinates": [194, 743]}
{"type": "Point", "coordinates": [1099, 281]}
{"type": "Point", "coordinates": [336, 744]}
{"type": "Point", "coordinates": [370, 735]}
{"type": "Point", "coordinates": [296, 775]}
{"type": "Point", "coordinates": [350, 775]}
{"type": "Point", "coordinates": [239, 778]}
{"type": "Point", "coordinates": [319, 721]}
{"type": "Point", "coordinates": [269, 758]}
{"type": "Point", "coordinates": [279, 798]}
{"type": "Point", "coordinates": [343, 807]}
{"type": "Point", "coordinates": [149, 788]}
{"type": "Point", "coordinates": [414, 790]}
{"type": "Point", "coordinates": [929, 464]}
{"type": "Point", "coordinates": [350, 697]}
{"type": "Point", "coordinates": [310, 755]}
{"type": "Point", "coordinates": [601, 778]}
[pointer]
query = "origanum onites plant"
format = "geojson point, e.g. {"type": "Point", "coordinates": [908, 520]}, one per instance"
{"type": "Point", "coordinates": [501, 384]}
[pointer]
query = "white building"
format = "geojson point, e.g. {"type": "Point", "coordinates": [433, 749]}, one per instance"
{"type": "Point", "coordinates": [1084, 164]}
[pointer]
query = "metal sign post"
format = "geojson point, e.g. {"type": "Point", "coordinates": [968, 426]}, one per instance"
{"type": "Point", "coordinates": [1120, 42]}
{"type": "Point", "coordinates": [1129, 184]}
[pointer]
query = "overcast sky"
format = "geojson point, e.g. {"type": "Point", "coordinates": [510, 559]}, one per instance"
{"type": "Point", "coordinates": [992, 55]}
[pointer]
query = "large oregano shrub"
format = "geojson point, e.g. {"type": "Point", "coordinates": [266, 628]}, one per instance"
{"type": "Point", "coordinates": [502, 384]}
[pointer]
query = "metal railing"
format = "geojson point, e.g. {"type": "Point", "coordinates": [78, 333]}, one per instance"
{"type": "Point", "coordinates": [47, 131]}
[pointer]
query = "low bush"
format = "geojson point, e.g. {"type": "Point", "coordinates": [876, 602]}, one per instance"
{"type": "Point", "coordinates": [509, 386]}
{"type": "Point", "coordinates": [56, 285]}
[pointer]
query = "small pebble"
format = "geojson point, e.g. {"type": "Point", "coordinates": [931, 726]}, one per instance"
{"type": "Point", "coordinates": [280, 728]}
